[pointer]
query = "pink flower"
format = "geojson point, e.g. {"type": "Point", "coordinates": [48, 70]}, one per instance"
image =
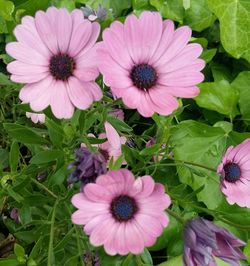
{"type": "Point", "coordinates": [117, 113]}
{"type": "Point", "coordinates": [56, 58]}
{"type": "Point", "coordinates": [36, 118]}
{"type": "Point", "coordinates": [121, 213]}
{"type": "Point", "coordinates": [147, 63]}
{"type": "Point", "coordinates": [111, 147]}
{"type": "Point", "coordinates": [235, 174]}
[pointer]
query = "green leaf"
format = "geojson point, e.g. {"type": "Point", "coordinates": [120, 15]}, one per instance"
{"type": "Point", "coordinates": [23, 134]}
{"type": "Point", "coordinates": [208, 55]}
{"type": "Point", "coordinates": [46, 156]}
{"type": "Point", "coordinates": [172, 9]}
{"type": "Point", "coordinates": [31, 6]}
{"type": "Point", "coordinates": [9, 262]}
{"type": "Point", "coordinates": [4, 80]}
{"type": "Point", "coordinates": [119, 124]}
{"type": "Point", "coordinates": [241, 83]}
{"type": "Point", "coordinates": [218, 96]}
{"type": "Point", "coordinates": [3, 27]}
{"type": "Point", "coordinates": [118, 6]}
{"type": "Point", "coordinates": [234, 17]}
{"type": "Point", "coordinates": [19, 251]}
{"type": "Point", "coordinates": [6, 9]}
{"type": "Point", "coordinates": [152, 150]}
{"type": "Point", "coordinates": [198, 16]}
{"type": "Point", "coordinates": [201, 144]}
{"type": "Point", "coordinates": [55, 132]}
{"type": "Point", "coordinates": [177, 261]}
{"type": "Point", "coordinates": [14, 156]}
{"type": "Point", "coordinates": [140, 4]}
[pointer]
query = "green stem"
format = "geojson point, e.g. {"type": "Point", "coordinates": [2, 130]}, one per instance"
{"type": "Point", "coordinates": [51, 239]}
{"type": "Point", "coordinates": [40, 185]}
{"type": "Point", "coordinates": [138, 260]}
{"type": "Point", "coordinates": [196, 164]}
{"type": "Point", "coordinates": [176, 216]}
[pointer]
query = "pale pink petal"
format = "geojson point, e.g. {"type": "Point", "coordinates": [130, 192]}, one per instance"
{"type": "Point", "coordinates": [29, 78]}
{"type": "Point", "coordinates": [63, 29]}
{"type": "Point", "coordinates": [112, 136]}
{"type": "Point", "coordinates": [46, 31]}
{"type": "Point", "coordinates": [79, 93]}
{"type": "Point", "coordinates": [20, 68]}
{"type": "Point", "coordinates": [61, 105]}
{"type": "Point", "coordinates": [132, 97]}
{"type": "Point", "coordinates": [34, 90]}
{"type": "Point", "coordinates": [97, 193]}
{"type": "Point", "coordinates": [145, 107]}
{"type": "Point", "coordinates": [80, 37]}
{"type": "Point", "coordinates": [114, 42]}
{"type": "Point", "coordinates": [79, 217]}
{"type": "Point", "coordinates": [148, 185]}
{"type": "Point", "coordinates": [167, 36]}
{"type": "Point", "coordinates": [134, 240]}
{"type": "Point", "coordinates": [120, 240]}
{"type": "Point", "coordinates": [94, 89]}
{"type": "Point", "coordinates": [109, 245]}
{"type": "Point", "coordinates": [148, 239]}
{"type": "Point", "coordinates": [184, 92]}
{"type": "Point", "coordinates": [150, 24]}
{"type": "Point", "coordinates": [24, 53]}
{"type": "Point", "coordinates": [77, 17]}
{"type": "Point", "coordinates": [181, 78]}
{"type": "Point", "coordinates": [95, 222]}
{"type": "Point", "coordinates": [180, 39]}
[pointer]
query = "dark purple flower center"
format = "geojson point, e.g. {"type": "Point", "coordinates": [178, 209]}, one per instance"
{"type": "Point", "coordinates": [232, 172]}
{"type": "Point", "coordinates": [143, 76]}
{"type": "Point", "coordinates": [123, 208]}
{"type": "Point", "coordinates": [61, 66]}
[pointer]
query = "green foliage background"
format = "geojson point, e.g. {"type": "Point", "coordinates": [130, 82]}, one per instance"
{"type": "Point", "coordinates": [198, 133]}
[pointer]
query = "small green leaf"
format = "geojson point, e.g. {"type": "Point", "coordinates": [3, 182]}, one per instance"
{"type": "Point", "coordinates": [208, 55]}
{"type": "Point", "coordinates": [152, 150]}
{"type": "Point", "coordinates": [9, 262]}
{"type": "Point", "coordinates": [218, 96]}
{"type": "Point", "coordinates": [14, 156]}
{"type": "Point", "coordinates": [55, 132]}
{"type": "Point", "coordinates": [4, 80]}
{"type": "Point", "coordinates": [46, 156]}
{"type": "Point", "coordinates": [19, 251]}
{"type": "Point", "coordinates": [119, 124]}
{"type": "Point", "coordinates": [6, 9]}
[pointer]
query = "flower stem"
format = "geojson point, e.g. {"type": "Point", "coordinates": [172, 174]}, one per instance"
{"type": "Point", "coordinates": [44, 188]}
{"type": "Point", "coordinates": [176, 216]}
{"type": "Point", "coordinates": [196, 164]}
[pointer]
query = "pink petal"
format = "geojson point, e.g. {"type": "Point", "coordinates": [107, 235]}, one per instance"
{"type": "Point", "coordinates": [120, 240]}
{"type": "Point", "coordinates": [29, 78]}
{"type": "Point", "coordinates": [27, 35]}
{"type": "Point", "coordinates": [94, 89]}
{"type": "Point", "coordinates": [181, 78]}
{"type": "Point", "coordinates": [180, 39]}
{"type": "Point", "coordinates": [132, 97]}
{"type": "Point", "coordinates": [134, 241]}
{"type": "Point", "coordinates": [80, 217]}
{"type": "Point", "coordinates": [80, 37]}
{"type": "Point", "coordinates": [97, 193]}
{"type": "Point", "coordinates": [112, 136]}
{"type": "Point", "coordinates": [96, 222]}
{"type": "Point", "coordinates": [114, 42]}
{"type": "Point", "coordinates": [61, 105]}
{"type": "Point", "coordinates": [19, 68]}
{"type": "Point", "coordinates": [34, 90]}
{"type": "Point", "coordinates": [79, 93]}
{"type": "Point", "coordinates": [133, 38]}
{"type": "Point", "coordinates": [86, 66]}
{"type": "Point", "coordinates": [145, 107]}
{"type": "Point", "coordinates": [25, 54]}
{"type": "Point", "coordinates": [77, 17]}
{"type": "Point", "coordinates": [45, 30]}
{"type": "Point", "coordinates": [63, 29]}
{"type": "Point", "coordinates": [109, 244]}
{"type": "Point", "coordinates": [151, 33]}
{"type": "Point", "coordinates": [148, 185]}
{"type": "Point", "coordinates": [147, 238]}
{"type": "Point", "coordinates": [164, 103]}
{"type": "Point", "coordinates": [167, 35]}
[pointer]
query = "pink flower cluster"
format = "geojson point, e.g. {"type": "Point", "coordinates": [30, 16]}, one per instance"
{"type": "Point", "coordinates": [144, 61]}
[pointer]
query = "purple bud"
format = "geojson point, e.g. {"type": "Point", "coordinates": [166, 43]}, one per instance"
{"type": "Point", "coordinates": [14, 214]}
{"type": "Point", "coordinates": [91, 259]}
{"type": "Point", "coordinates": [87, 167]}
{"type": "Point", "coordinates": [203, 240]}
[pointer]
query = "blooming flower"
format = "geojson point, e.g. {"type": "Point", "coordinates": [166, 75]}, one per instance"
{"type": "Point", "coordinates": [235, 174]}
{"type": "Point", "coordinates": [56, 58]}
{"type": "Point", "coordinates": [121, 213]}
{"type": "Point", "coordinates": [88, 167]}
{"type": "Point", "coordinates": [36, 118]}
{"type": "Point", "coordinates": [203, 240]}
{"type": "Point", "coordinates": [111, 147]}
{"type": "Point", "coordinates": [147, 63]}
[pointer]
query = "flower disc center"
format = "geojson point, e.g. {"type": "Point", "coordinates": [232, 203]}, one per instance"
{"type": "Point", "coordinates": [232, 172]}
{"type": "Point", "coordinates": [61, 66]}
{"type": "Point", "coordinates": [123, 208]}
{"type": "Point", "coordinates": [143, 76]}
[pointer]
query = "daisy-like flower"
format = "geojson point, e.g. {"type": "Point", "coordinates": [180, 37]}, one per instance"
{"type": "Point", "coordinates": [56, 58]}
{"type": "Point", "coordinates": [148, 63]}
{"type": "Point", "coordinates": [203, 240]}
{"type": "Point", "coordinates": [122, 213]}
{"type": "Point", "coordinates": [234, 170]}
{"type": "Point", "coordinates": [36, 118]}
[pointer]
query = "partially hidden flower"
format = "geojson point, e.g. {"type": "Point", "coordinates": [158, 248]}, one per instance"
{"type": "Point", "coordinates": [91, 259]}
{"type": "Point", "coordinates": [35, 117]}
{"type": "Point", "coordinates": [122, 213]}
{"type": "Point", "coordinates": [56, 58]}
{"type": "Point", "coordinates": [14, 214]}
{"type": "Point", "coordinates": [117, 113]}
{"type": "Point", "coordinates": [93, 15]}
{"type": "Point", "coordinates": [203, 240]}
{"type": "Point", "coordinates": [87, 167]}
{"type": "Point", "coordinates": [148, 63]}
{"type": "Point", "coordinates": [234, 170]}
{"type": "Point", "coordinates": [112, 147]}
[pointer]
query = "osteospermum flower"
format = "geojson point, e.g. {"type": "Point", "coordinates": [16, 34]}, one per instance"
{"type": "Point", "coordinates": [203, 240]}
{"type": "Point", "coordinates": [147, 63]}
{"type": "Point", "coordinates": [122, 213]}
{"type": "Point", "coordinates": [36, 118]}
{"type": "Point", "coordinates": [234, 170]}
{"type": "Point", "coordinates": [56, 59]}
